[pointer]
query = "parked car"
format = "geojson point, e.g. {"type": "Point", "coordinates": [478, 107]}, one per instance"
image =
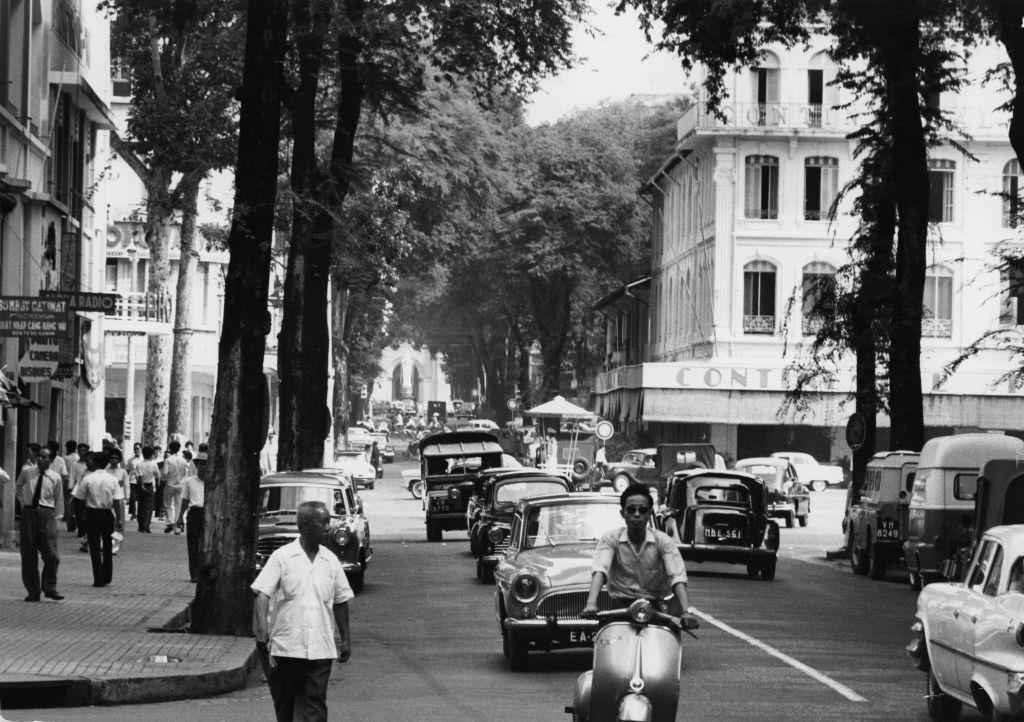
{"type": "Point", "coordinates": [349, 537]}
{"type": "Point", "coordinates": [811, 473]}
{"type": "Point", "coordinates": [355, 463]}
{"type": "Point", "coordinates": [387, 449]}
{"type": "Point", "coordinates": [787, 497]}
{"type": "Point", "coordinates": [500, 495]}
{"type": "Point", "coordinates": [969, 635]}
{"type": "Point", "coordinates": [449, 464]}
{"type": "Point", "coordinates": [475, 501]}
{"type": "Point", "coordinates": [718, 515]}
{"type": "Point", "coordinates": [877, 521]}
{"type": "Point", "coordinates": [544, 578]}
{"type": "Point", "coordinates": [942, 499]}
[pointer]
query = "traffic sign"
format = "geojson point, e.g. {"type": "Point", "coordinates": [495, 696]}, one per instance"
{"type": "Point", "coordinates": [856, 431]}
{"type": "Point", "coordinates": [512, 404]}
{"type": "Point", "coordinates": [604, 430]}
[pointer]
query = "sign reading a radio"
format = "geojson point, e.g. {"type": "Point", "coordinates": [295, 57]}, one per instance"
{"type": "Point", "coordinates": [86, 302]}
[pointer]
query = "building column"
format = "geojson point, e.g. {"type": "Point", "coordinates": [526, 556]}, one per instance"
{"type": "Point", "coordinates": [725, 222]}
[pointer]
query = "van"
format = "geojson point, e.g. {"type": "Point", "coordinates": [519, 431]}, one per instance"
{"type": "Point", "coordinates": [878, 520]}
{"type": "Point", "coordinates": [942, 500]}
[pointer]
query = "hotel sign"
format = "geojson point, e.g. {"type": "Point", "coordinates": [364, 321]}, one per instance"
{"type": "Point", "coordinates": [33, 316]}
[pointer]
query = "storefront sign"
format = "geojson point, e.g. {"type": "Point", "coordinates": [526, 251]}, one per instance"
{"type": "Point", "coordinates": [88, 302]}
{"type": "Point", "coordinates": [39, 362]}
{"type": "Point", "coordinates": [32, 316]}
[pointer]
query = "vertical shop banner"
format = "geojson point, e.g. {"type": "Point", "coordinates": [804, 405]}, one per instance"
{"type": "Point", "coordinates": [39, 362]}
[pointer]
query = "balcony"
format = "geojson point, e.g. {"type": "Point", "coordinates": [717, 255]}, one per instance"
{"type": "Point", "coordinates": [936, 328]}
{"type": "Point", "coordinates": [140, 313]}
{"type": "Point", "coordinates": [759, 324]}
{"type": "Point", "coordinates": [767, 117]}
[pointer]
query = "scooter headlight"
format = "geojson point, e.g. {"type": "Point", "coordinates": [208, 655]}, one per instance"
{"type": "Point", "coordinates": [641, 611]}
{"type": "Point", "coordinates": [526, 587]}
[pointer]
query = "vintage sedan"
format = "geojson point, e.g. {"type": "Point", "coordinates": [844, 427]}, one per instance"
{"type": "Point", "coordinates": [475, 499]}
{"type": "Point", "coordinates": [638, 465]}
{"type": "Point", "coordinates": [811, 473]}
{"type": "Point", "coordinates": [787, 498]}
{"type": "Point", "coordinates": [500, 495]}
{"type": "Point", "coordinates": [969, 636]}
{"type": "Point", "coordinates": [349, 537]}
{"type": "Point", "coordinates": [544, 578]}
{"type": "Point", "coordinates": [721, 516]}
{"type": "Point", "coordinates": [358, 465]}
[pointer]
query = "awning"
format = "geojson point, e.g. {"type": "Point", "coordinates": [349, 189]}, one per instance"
{"type": "Point", "coordinates": [85, 98]}
{"type": "Point", "coordinates": [638, 290]}
{"type": "Point", "coordinates": [558, 407]}
{"type": "Point", "coordinates": [11, 395]}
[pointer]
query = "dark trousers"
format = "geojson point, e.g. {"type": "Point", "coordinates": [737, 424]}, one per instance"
{"type": "Point", "coordinates": [78, 507]}
{"type": "Point", "coordinates": [100, 525]}
{"type": "Point", "coordinates": [158, 501]}
{"type": "Point", "coordinates": [38, 539]}
{"type": "Point", "coordinates": [194, 538]}
{"type": "Point", "coordinates": [299, 689]}
{"type": "Point", "coordinates": [145, 512]}
{"type": "Point", "coordinates": [133, 497]}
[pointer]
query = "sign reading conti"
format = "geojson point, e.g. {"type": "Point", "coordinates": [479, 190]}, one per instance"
{"type": "Point", "coordinates": [32, 316]}
{"type": "Point", "coordinates": [732, 378]}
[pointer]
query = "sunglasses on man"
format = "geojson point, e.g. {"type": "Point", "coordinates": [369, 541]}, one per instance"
{"type": "Point", "coordinates": [637, 509]}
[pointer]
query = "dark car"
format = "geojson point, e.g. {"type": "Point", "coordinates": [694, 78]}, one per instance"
{"type": "Point", "coordinates": [449, 465]}
{"type": "Point", "coordinates": [787, 498]}
{"type": "Point", "coordinates": [501, 492]}
{"type": "Point", "coordinates": [638, 465]}
{"type": "Point", "coordinates": [349, 537]}
{"type": "Point", "coordinates": [721, 516]}
{"type": "Point", "coordinates": [475, 502]}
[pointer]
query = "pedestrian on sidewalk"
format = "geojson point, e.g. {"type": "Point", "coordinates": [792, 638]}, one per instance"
{"type": "Point", "coordinates": [375, 459]}
{"type": "Point", "coordinates": [116, 468]}
{"type": "Point", "coordinates": [103, 497]}
{"type": "Point", "coordinates": [192, 499]}
{"type": "Point", "coordinates": [147, 473]}
{"type": "Point", "coordinates": [77, 506]}
{"type": "Point", "coordinates": [174, 472]}
{"type": "Point", "coordinates": [42, 502]}
{"type": "Point", "coordinates": [133, 480]}
{"type": "Point", "coordinates": [307, 585]}
{"type": "Point", "coordinates": [70, 461]}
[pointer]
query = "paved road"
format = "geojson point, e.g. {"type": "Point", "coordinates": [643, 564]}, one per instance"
{"type": "Point", "coordinates": [817, 643]}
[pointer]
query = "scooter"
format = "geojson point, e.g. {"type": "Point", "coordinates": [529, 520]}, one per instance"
{"type": "Point", "coordinates": [637, 655]}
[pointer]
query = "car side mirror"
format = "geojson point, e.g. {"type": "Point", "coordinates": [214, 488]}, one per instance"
{"type": "Point", "coordinates": [903, 495]}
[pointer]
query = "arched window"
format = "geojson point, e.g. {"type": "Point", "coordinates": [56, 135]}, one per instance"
{"type": "Point", "coordinates": [940, 194]}
{"type": "Point", "coordinates": [396, 383]}
{"type": "Point", "coordinates": [764, 82]}
{"type": "Point", "coordinates": [819, 295]}
{"type": "Point", "coordinates": [1011, 194]}
{"type": "Point", "coordinates": [762, 186]}
{"type": "Point", "coordinates": [822, 94]}
{"type": "Point", "coordinates": [938, 303]}
{"type": "Point", "coordinates": [821, 185]}
{"type": "Point", "coordinates": [759, 297]}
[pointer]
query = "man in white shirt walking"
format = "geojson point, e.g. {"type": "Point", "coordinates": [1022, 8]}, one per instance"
{"type": "Point", "coordinates": [193, 497]}
{"type": "Point", "coordinates": [174, 472]}
{"type": "Point", "coordinates": [308, 586]}
{"type": "Point", "coordinates": [103, 497]}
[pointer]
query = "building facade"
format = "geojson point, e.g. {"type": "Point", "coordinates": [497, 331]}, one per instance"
{"type": "Point", "coordinates": [412, 376]}
{"type": "Point", "coordinates": [54, 125]}
{"type": "Point", "coordinates": [743, 244]}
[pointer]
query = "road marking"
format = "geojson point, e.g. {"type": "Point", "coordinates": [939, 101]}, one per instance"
{"type": "Point", "coordinates": [796, 664]}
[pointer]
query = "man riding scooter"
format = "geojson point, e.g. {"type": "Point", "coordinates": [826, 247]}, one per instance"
{"type": "Point", "coordinates": [637, 653]}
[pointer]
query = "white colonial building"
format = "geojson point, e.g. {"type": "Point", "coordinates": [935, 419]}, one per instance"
{"type": "Point", "coordinates": [742, 240]}
{"type": "Point", "coordinates": [410, 375]}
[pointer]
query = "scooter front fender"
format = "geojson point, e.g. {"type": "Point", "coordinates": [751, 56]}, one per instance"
{"type": "Point", "coordinates": [581, 695]}
{"type": "Point", "coordinates": [635, 708]}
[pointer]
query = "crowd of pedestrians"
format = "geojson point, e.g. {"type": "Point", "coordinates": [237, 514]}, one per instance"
{"type": "Point", "coordinates": [94, 493]}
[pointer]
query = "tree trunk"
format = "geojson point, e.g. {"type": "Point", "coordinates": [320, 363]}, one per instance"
{"type": "Point", "coordinates": [1010, 16]}
{"type": "Point", "coordinates": [340, 411]}
{"type": "Point", "coordinates": [158, 357]}
{"type": "Point", "coordinates": [553, 313]}
{"type": "Point", "coordinates": [223, 603]}
{"type": "Point", "coordinates": [179, 417]}
{"type": "Point", "coordinates": [522, 344]}
{"type": "Point", "coordinates": [900, 39]}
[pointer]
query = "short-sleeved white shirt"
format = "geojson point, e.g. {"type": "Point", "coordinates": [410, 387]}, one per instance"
{"type": "Point", "coordinates": [302, 596]}
{"type": "Point", "coordinates": [98, 489]}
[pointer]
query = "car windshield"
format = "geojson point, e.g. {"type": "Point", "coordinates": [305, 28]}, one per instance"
{"type": "Point", "coordinates": [350, 457]}
{"type": "Point", "coordinates": [281, 500]}
{"type": "Point", "coordinates": [799, 458]}
{"type": "Point", "coordinates": [513, 492]}
{"type": "Point", "coordinates": [768, 474]}
{"type": "Point", "coordinates": [728, 494]}
{"type": "Point", "coordinates": [570, 524]}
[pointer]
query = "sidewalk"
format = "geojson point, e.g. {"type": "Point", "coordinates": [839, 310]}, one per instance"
{"type": "Point", "coordinates": [95, 647]}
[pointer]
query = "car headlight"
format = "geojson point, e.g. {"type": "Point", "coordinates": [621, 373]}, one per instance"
{"type": "Point", "coordinates": [496, 535]}
{"type": "Point", "coordinates": [342, 536]}
{"type": "Point", "coordinates": [526, 587]}
{"type": "Point", "coordinates": [454, 494]}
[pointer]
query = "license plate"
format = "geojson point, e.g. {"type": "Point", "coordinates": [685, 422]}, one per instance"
{"type": "Point", "coordinates": [440, 504]}
{"type": "Point", "coordinates": [581, 636]}
{"type": "Point", "coordinates": [722, 533]}
{"type": "Point", "coordinates": [887, 529]}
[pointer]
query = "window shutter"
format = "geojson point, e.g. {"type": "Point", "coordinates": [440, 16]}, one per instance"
{"type": "Point", "coordinates": [753, 191]}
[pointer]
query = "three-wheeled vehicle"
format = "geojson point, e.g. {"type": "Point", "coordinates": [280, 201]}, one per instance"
{"type": "Point", "coordinates": [942, 499]}
{"type": "Point", "coordinates": [787, 498]}
{"type": "Point", "coordinates": [718, 515]}
{"type": "Point", "coordinates": [877, 520]}
{"type": "Point", "coordinates": [449, 462]}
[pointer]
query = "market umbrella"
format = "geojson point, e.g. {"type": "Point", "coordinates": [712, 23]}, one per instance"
{"type": "Point", "coordinates": [558, 407]}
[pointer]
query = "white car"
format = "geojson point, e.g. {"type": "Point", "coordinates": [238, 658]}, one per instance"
{"type": "Point", "coordinates": [810, 473]}
{"type": "Point", "coordinates": [356, 464]}
{"type": "Point", "coordinates": [970, 635]}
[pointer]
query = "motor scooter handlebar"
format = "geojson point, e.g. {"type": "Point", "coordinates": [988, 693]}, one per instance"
{"type": "Point", "coordinates": [657, 617]}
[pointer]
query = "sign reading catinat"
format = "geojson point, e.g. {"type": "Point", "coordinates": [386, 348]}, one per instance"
{"type": "Point", "coordinates": [88, 302]}
{"type": "Point", "coordinates": [33, 316]}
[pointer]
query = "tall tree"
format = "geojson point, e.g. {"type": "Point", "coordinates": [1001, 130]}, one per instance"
{"type": "Point", "coordinates": [179, 411]}
{"type": "Point", "coordinates": [223, 603]}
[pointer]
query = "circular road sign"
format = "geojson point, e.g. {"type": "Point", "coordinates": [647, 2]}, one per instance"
{"type": "Point", "coordinates": [512, 404]}
{"type": "Point", "coordinates": [604, 429]}
{"type": "Point", "coordinates": [856, 431]}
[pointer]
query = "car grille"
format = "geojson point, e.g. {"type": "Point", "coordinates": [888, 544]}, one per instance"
{"type": "Point", "coordinates": [269, 544]}
{"type": "Point", "coordinates": [568, 605]}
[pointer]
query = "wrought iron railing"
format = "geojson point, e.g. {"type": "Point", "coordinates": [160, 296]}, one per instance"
{"type": "Point", "coordinates": [143, 306]}
{"type": "Point", "coordinates": [759, 324]}
{"type": "Point", "coordinates": [936, 328]}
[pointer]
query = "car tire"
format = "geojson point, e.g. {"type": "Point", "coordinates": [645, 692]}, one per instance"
{"type": "Point", "coordinates": [518, 652]}
{"type": "Point", "coordinates": [474, 545]}
{"type": "Point", "coordinates": [433, 531]}
{"type": "Point", "coordinates": [357, 579]}
{"type": "Point", "coordinates": [768, 570]}
{"type": "Point", "coordinates": [417, 490]}
{"type": "Point", "coordinates": [802, 519]}
{"type": "Point", "coordinates": [505, 647]}
{"type": "Point", "coordinates": [819, 485]}
{"type": "Point", "coordinates": [876, 564]}
{"type": "Point", "coordinates": [753, 569]}
{"type": "Point", "coordinates": [620, 482]}
{"type": "Point", "coordinates": [480, 569]}
{"type": "Point", "coordinates": [369, 487]}
{"type": "Point", "coordinates": [486, 572]}
{"type": "Point", "coordinates": [790, 519]}
{"type": "Point", "coordinates": [858, 559]}
{"type": "Point", "coordinates": [941, 707]}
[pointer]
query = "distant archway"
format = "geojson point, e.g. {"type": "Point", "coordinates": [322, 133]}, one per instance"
{"type": "Point", "coordinates": [396, 383]}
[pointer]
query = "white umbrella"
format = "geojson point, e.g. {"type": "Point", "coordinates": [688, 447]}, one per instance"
{"type": "Point", "coordinates": [558, 407]}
